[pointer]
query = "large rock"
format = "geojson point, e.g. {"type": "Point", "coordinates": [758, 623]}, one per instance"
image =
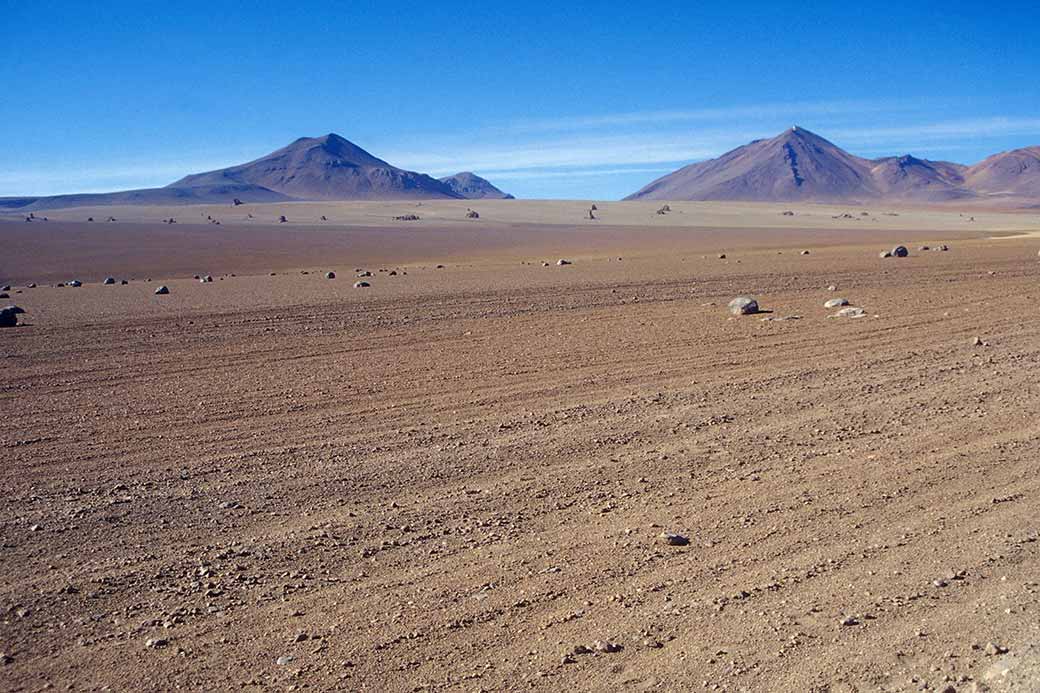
{"type": "Point", "coordinates": [900, 251]}
{"type": "Point", "coordinates": [742, 305]}
{"type": "Point", "coordinates": [109, 281]}
{"type": "Point", "coordinates": [851, 312]}
{"type": "Point", "coordinates": [161, 291]}
{"type": "Point", "coordinates": [836, 303]}
{"type": "Point", "coordinates": [9, 316]}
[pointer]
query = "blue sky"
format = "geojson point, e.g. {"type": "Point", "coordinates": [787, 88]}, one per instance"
{"type": "Point", "coordinates": [571, 100]}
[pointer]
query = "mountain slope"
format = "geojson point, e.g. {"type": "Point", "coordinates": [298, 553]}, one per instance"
{"type": "Point", "coordinates": [795, 165]}
{"type": "Point", "coordinates": [325, 168]}
{"type": "Point", "coordinates": [908, 177]}
{"type": "Point", "coordinates": [473, 187]}
{"type": "Point", "coordinates": [1012, 173]}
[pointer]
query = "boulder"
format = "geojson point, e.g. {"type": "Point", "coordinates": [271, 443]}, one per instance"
{"type": "Point", "coordinates": [742, 305]}
{"type": "Point", "coordinates": [836, 303]}
{"type": "Point", "coordinates": [109, 281]}
{"type": "Point", "coordinates": [361, 285]}
{"type": "Point", "coordinates": [900, 251]}
{"type": "Point", "coordinates": [330, 275]}
{"type": "Point", "coordinates": [561, 262]}
{"type": "Point", "coordinates": [851, 312]}
{"type": "Point", "coordinates": [161, 291]}
{"type": "Point", "coordinates": [9, 316]}
{"type": "Point", "coordinates": [74, 282]}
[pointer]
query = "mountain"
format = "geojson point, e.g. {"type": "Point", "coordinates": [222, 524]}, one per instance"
{"type": "Point", "coordinates": [798, 165]}
{"type": "Point", "coordinates": [1013, 173]}
{"type": "Point", "coordinates": [473, 187]}
{"type": "Point", "coordinates": [795, 165]}
{"type": "Point", "coordinates": [325, 168]}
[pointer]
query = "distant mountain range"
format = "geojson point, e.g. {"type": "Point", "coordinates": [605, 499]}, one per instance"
{"type": "Point", "coordinates": [795, 166]}
{"type": "Point", "coordinates": [800, 166]}
{"type": "Point", "coordinates": [311, 168]}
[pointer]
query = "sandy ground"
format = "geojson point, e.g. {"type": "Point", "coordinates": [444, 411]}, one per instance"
{"type": "Point", "coordinates": [457, 478]}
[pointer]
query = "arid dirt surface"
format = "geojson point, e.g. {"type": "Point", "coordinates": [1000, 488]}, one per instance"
{"type": "Point", "coordinates": [458, 478]}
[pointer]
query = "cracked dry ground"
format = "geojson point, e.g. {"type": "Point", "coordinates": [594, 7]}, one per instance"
{"type": "Point", "coordinates": [452, 491]}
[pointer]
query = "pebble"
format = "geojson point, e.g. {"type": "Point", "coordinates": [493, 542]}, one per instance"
{"type": "Point", "coordinates": [673, 539]}
{"type": "Point", "coordinates": [606, 646]}
{"type": "Point", "coordinates": [993, 649]}
{"type": "Point", "coordinates": [283, 660]}
{"type": "Point", "coordinates": [851, 312]}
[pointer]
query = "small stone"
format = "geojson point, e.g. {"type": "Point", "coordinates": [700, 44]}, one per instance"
{"type": "Point", "coordinates": [940, 583]}
{"type": "Point", "coordinates": [567, 659]}
{"type": "Point", "coordinates": [156, 643]}
{"type": "Point", "coordinates": [561, 262]}
{"type": "Point", "coordinates": [673, 539]}
{"type": "Point", "coordinates": [900, 251]}
{"type": "Point", "coordinates": [851, 312]}
{"type": "Point", "coordinates": [850, 621]}
{"type": "Point", "coordinates": [722, 256]}
{"type": "Point", "coordinates": [5, 658]}
{"type": "Point", "coordinates": [109, 281]}
{"type": "Point", "coordinates": [283, 660]}
{"type": "Point", "coordinates": [361, 285]}
{"type": "Point", "coordinates": [743, 305]}
{"type": "Point", "coordinates": [35, 528]}
{"type": "Point", "coordinates": [979, 342]}
{"type": "Point", "coordinates": [993, 649]}
{"type": "Point", "coordinates": [606, 646]}
{"type": "Point", "coordinates": [805, 252]}
{"type": "Point", "coordinates": [366, 273]}
{"type": "Point", "coordinates": [581, 649]}
{"type": "Point", "coordinates": [836, 303]}
{"type": "Point", "coordinates": [832, 288]}
{"type": "Point", "coordinates": [330, 275]}
{"type": "Point", "coordinates": [300, 637]}
{"type": "Point", "coordinates": [884, 253]}
{"type": "Point", "coordinates": [74, 282]}
{"type": "Point", "coordinates": [162, 291]}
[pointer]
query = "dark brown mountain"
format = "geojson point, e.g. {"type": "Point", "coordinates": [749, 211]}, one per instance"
{"type": "Point", "coordinates": [325, 168]}
{"type": "Point", "coordinates": [798, 165]}
{"type": "Point", "coordinates": [473, 187]}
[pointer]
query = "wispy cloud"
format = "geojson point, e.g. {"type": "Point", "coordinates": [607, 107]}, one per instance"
{"type": "Point", "coordinates": [665, 117]}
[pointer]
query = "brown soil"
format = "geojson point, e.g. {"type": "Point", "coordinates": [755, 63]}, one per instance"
{"type": "Point", "coordinates": [452, 479]}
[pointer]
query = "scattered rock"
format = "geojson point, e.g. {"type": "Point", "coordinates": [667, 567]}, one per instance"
{"type": "Point", "coordinates": [9, 316]}
{"type": "Point", "coordinates": [743, 305]}
{"type": "Point", "coordinates": [722, 256]}
{"type": "Point", "coordinates": [74, 282]}
{"type": "Point", "coordinates": [606, 646]}
{"type": "Point", "coordinates": [561, 262]}
{"type": "Point", "coordinates": [851, 312]}
{"type": "Point", "coordinates": [283, 660]}
{"type": "Point", "coordinates": [472, 214]}
{"type": "Point", "coordinates": [850, 621]}
{"type": "Point", "coordinates": [161, 291]}
{"type": "Point", "coordinates": [884, 253]}
{"type": "Point", "coordinates": [900, 251]}
{"type": "Point", "coordinates": [282, 219]}
{"type": "Point", "coordinates": [206, 279]}
{"type": "Point", "coordinates": [330, 275]}
{"type": "Point", "coordinates": [109, 281]}
{"type": "Point", "coordinates": [805, 252]}
{"type": "Point", "coordinates": [673, 539]}
{"type": "Point", "coordinates": [156, 643]}
{"type": "Point", "coordinates": [364, 274]}
{"type": "Point", "coordinates": [361, 285]}
{"type": "Point", "coordinates": [993, 649]}
{"type": "Point", "coordinates": [978, 341]}
{"type": "Point", "coordinates": [836, 303]}
{"type": "Point", "coordinates": [407, 217]}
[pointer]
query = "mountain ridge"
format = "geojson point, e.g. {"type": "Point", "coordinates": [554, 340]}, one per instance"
{"type": "Point", "coordinates": [800, 166]}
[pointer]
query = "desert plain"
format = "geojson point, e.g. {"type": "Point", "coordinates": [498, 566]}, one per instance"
{"type": "Point", "coordinates": [458, 478]}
